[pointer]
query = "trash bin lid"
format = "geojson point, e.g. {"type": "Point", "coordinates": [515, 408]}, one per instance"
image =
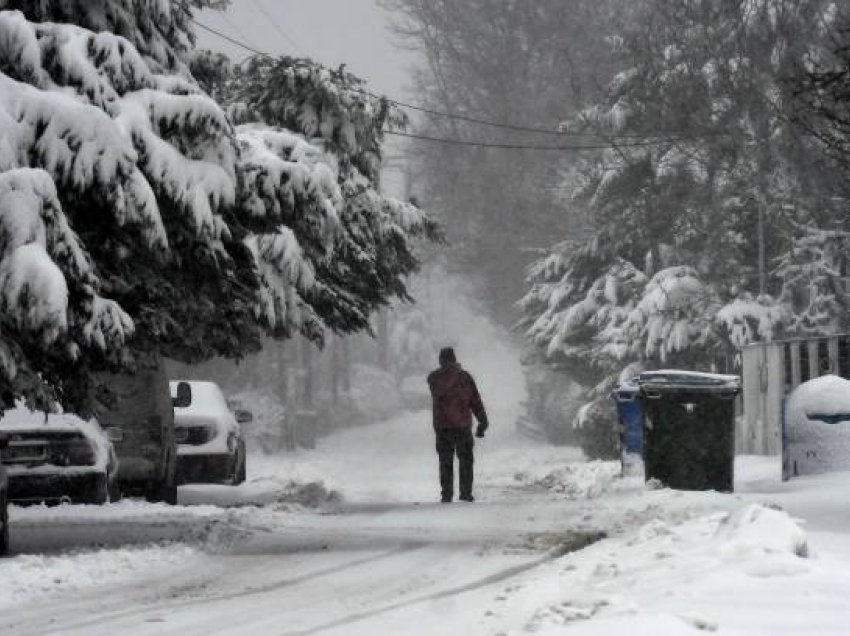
{"type": "Point", "coordinates": [625, 392]}
{"type": "Point", "coordinates": [679, 380]}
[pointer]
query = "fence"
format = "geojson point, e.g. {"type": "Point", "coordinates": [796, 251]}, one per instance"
{"type": "Point", "coordinates": [771, 370]}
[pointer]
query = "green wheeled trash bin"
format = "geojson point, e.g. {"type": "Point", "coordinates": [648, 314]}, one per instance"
{"type": "Point", "coordinates": [689, 429]}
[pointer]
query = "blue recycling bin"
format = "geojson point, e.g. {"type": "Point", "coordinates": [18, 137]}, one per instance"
{"type": "Point", "coordinates": [631, 418]}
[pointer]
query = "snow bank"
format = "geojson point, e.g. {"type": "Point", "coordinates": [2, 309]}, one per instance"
{"type": "Point", "coordinates": [763, 541]}
{"type": "Point", "coordinates": [582, 480]}
{"type": "Point", "coordinates": [279, 492]}
{"type": "Point", "coordinates": [665, 576]}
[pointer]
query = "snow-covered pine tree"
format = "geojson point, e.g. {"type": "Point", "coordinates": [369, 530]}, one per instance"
{"type": "Point", "coordinates": [374, 248]}
{"type": "Point", "coordinates": [579, 300]}
{"type": "Point", "coordinates": [132, 208]}
{"type": "Point", "coordinates": [703, 144]}
{"type": "Point", "coordinates": [160, 30]}
{"type": "Point", "coordinates": [814, 274]}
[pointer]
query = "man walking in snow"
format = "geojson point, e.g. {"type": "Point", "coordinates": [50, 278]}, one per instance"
{"type": "Point", "coordinates": [455, 399]}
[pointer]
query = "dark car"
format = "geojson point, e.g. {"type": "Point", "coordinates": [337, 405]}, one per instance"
{"type": "Point", "coordinates": [4, 503]}
{"type": "Point", "coordinates": [138, 416]}
{"type": "Point", "coordinates": [56, 458]}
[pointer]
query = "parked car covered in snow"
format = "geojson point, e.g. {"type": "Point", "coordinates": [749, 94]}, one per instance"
{"type": "Point", "coordinates": [211, 447]}
{"type": "Point", "coordinates": [4, 502]}
{"type": "Point", "coordinates": [56, 458]}
{"type": "Point", "coordinates": [138, 417]}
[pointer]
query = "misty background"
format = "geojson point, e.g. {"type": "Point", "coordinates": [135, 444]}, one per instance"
{"type": "Point", "coordinates": [622, 186]}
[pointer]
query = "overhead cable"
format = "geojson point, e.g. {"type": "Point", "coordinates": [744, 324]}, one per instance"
{"type": "Point", "coordinates": [650, 138]}
{"type": "Point", "coordinates": [517, 146]}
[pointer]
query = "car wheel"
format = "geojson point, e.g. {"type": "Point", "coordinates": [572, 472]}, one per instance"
{"type": "Point", "coordinates": [99, 493]}
{"type": "Point", "coordinates": [241, 473]}
{"type": "Point", "coordinates": [169, 493]}
{"type": "Point", "coordinates": [4, 525]}
{"type": "Point", "coordinates": [162, 492]}
{"type": "Point", "coordinates": [114, 490]}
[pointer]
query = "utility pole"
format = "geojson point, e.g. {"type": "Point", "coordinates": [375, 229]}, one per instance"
{"type": "Point", "coordinates": [335, 364]}
{"type": "Point", "coordinates": [762, 267]}
{"type": "Point", "coordinates": [383, 339]}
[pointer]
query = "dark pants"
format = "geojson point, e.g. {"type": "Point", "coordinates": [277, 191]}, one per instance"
{"type": "Point", "coordinates": [451, 441]}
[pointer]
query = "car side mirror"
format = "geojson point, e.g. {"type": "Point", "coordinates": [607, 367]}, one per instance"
{"type": "Point", "coordinates": [114, 434]}
{"type": "Point", "coordinates": [243, 416]}
{"type": "Point", "coordinates": [4, 441]}
{"type": "Point", "coordinates": [184, 395]}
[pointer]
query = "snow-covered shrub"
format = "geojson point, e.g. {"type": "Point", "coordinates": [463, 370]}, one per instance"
{"type": "Point", "coordinates": [552, 404]}
{"type": "Point", "coordinates": [597, 429]}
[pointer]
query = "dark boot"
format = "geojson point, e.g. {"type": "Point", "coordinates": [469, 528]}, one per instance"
{"type": "Point", "coordinates": [465, 444]}
{"type": "Point", "coordinates": [446, 452]}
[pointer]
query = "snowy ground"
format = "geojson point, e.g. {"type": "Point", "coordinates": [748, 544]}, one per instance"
{"type": "Point", "coordinates": [347, 539]}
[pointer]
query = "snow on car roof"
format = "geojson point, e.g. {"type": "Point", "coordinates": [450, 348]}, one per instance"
{"type": "Point", "coordinates": [207, 399]}
{"type": "Point", "coordinates": [22, 419]}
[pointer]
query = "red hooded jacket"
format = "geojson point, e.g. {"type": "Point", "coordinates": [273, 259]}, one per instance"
{"type": "Point", "coordinates": [455, 398]}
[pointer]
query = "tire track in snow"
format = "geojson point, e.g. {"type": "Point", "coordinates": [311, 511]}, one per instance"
{"type": "Point", "coordinates": [496, 577]}
{"type": "Point", "coordinates": [250, 591]}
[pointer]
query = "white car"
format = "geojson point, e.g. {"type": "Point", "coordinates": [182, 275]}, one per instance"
{"type": "Point", "coordinates": [210, 444]}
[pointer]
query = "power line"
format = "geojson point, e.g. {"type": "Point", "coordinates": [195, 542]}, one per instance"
{"type": "Point", "coordinates": [224, 36]}
{"type": "Point", "coordinates": [659, 137]}
{"type": "Point", "coordinates": [233, 25]}
{"type": "Point", "coordinates": [513, 146]}
{"type": "Point", "coordinates": [275, 24]}
{"type": "Point", "coordinates": [515, 127]}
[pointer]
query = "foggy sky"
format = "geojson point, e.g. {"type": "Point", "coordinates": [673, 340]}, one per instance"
{"type": "Point", "coordinates": [331, 32]}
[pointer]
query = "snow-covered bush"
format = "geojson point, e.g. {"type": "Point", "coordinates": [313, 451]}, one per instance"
{"type": "Point", "coordinates": [552, 405]}
{"type": "Point", "coordinates": [597, 429]}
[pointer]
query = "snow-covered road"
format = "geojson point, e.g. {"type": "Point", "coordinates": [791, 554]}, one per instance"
{"type": "Point", "coordinates": [285, 554]}
{"type": "Point", "coordinates": [274, 569]}
{"type": "Point", "coordinates": [251, 562]}
{"type": "Point", "coordinates": [386, 559]}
